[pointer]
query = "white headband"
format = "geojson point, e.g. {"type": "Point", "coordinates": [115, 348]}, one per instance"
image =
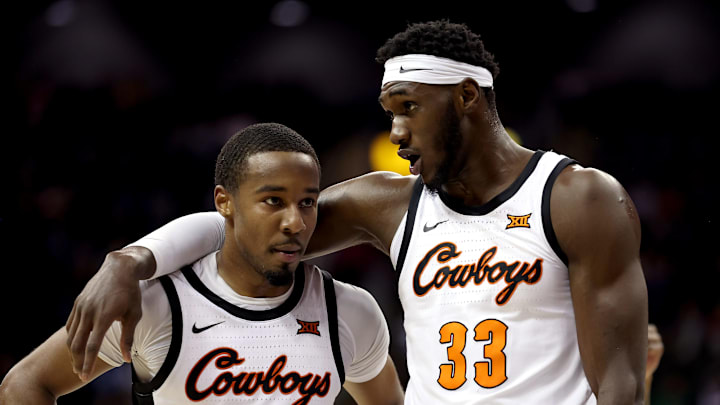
{"type": "Point", "coordinates": [430, 69]}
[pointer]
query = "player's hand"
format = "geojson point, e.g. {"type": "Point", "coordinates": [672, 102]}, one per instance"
{"type": "Point", "coordinates": [655, 351]}
{"type": "Point", "coordinates": [113, 293]}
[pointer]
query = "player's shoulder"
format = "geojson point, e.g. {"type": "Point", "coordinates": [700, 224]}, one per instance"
{"type": "Point", "coordinates": [352, 292]}
{"type": "Point", "coordinates": [588, 204]}
{"type": "Point", "coordinates": [578, 186]}
{"type": "Point", "coordinates": [355, 304]}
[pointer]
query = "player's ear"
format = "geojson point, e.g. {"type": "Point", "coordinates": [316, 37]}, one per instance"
{"type": "Point", "coordinates": [469, 94]}
{"type": "Point", "coordinates": [223, 201]}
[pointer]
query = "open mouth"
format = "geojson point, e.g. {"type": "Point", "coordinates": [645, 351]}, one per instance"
{"type": "Point", "coordinates": [414, 158]}
{"type": "Point", "coordinates": [408, 154]}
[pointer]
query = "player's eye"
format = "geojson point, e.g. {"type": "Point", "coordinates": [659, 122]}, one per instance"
{"type": "Point", "coordinates": [409, 106]}
{"type": "Point", "coordinates": [307, 203]}
{"type": "Point", "coordinates": [273, 201]}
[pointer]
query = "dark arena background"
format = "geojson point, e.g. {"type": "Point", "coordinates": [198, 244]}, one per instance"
{"type": "Point", "coordinates": [115, 111]}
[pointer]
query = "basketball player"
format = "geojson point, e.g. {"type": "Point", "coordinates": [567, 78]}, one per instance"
{"type": "Point", "coordinates": [519, 270]}
{"type": "Point", "coordinates": [249, 322]}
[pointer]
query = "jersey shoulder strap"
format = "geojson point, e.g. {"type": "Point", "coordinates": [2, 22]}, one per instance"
{"type": "Point", "coordinates": [409, 224]}
{"type": "Point", "coordinates": [331, 305]}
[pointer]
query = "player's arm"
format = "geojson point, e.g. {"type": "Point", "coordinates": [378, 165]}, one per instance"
{"type": "Point", "coordinates": [384, 389]}
{"type": "Point", "coordinates": [113, 293]}
{"type": "Point", "coordinates": [44, 375]}
{"type": "Point", "coordinates": [655, 352]}
{"type": "Point", "coordinates": [365, 209]}
{"type": "Point", "coordinates": [370, 375]}
{"type": "Point", "coordinates": [598, 228]}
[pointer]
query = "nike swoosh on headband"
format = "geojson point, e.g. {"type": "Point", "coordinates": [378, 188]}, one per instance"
{"type": "Point", "coordinates": [411, 70]}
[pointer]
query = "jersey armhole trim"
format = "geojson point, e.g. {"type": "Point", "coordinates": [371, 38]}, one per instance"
{"type": "Point", "coordinates": [546, 219]}
{"type": "Point", "coordinates": [409, 225]}
{"type": "Point", "coordinates": [142, 392]}
{"type": "Point", "coordinates": [332, 313]}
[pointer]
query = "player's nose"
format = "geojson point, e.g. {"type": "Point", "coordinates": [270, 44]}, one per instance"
{"type": "Point", "coordinates": [293, 221]}
{"type": "Point", "coordinates": [399, 133]}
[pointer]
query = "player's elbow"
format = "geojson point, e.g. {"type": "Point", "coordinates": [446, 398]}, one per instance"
{"type": "Point", "coordinates": [9, 387]}
{"type": "Point", "coordinates": [628, 390]}
{"type": "Point", "coordinates": [397, 401]}
{"type": "Point", "coordinates": [20, 387]}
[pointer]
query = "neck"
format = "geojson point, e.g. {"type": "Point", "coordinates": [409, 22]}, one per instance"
{"type": "Point", "coordinates": [490, 163]}
{"type": "Point", "coordinates": [240, 275]}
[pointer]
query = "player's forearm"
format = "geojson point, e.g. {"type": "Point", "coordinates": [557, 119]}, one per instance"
{"type": "Point", "coordinates": [25, 397]}
{"type": "Point", "coordinates": [19, 390]}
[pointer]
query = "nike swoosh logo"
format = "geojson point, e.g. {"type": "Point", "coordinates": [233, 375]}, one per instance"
{"type": "Point", "coordinates": [195, 329]}
{"type": "Point", "coordinates": [430, 228]}
{"type": "Point", "coordinates": [410, 70]}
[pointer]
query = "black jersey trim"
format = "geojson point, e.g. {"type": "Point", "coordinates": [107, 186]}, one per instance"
{"type": "Point", "coordinates": [331, 305]}
{"type": "Point", "coordinates": [546, 219]}
{"type": "Point", "coordinates": [409, 224]}
{"type": "Point", "coordinates": [459, 207]}
{"type": "Point", "coordinates": [247, 314]}
{"type": "Point", "coordinates": [142, 392]}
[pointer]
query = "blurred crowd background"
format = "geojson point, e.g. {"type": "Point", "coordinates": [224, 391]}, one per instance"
{"type": "Point", "coordinates": [115, 111]}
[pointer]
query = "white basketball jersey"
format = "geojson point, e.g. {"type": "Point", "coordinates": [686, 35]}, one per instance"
{"type": "Point", "coordinates": [221, 354]}
{"type": "Point", "coordinates": [486, 295]}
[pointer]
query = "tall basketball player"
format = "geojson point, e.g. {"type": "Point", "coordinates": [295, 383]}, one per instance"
{"type": "Point", "coordinates": [250, 322]}
{"type": "Point", "coordinates": [519, 270]}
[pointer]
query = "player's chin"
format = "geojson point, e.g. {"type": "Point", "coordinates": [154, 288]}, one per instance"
{"type": "Point", "coordinates": [282, 275]}
{"type": "Point", "coordinates": [432, 181]}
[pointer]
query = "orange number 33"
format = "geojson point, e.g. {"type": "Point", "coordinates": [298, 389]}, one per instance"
{"type": "Point", "coordinates": [487, 374]}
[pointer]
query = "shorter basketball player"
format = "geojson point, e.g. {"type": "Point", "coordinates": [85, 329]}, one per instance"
{"type": "Point", "coordinates": [249, 322]}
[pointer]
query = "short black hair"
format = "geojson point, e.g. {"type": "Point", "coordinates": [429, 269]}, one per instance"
{"type": "Point", "coordinates": [443, 39]}
{"type": "Point", "coordinates": [257, 138]}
